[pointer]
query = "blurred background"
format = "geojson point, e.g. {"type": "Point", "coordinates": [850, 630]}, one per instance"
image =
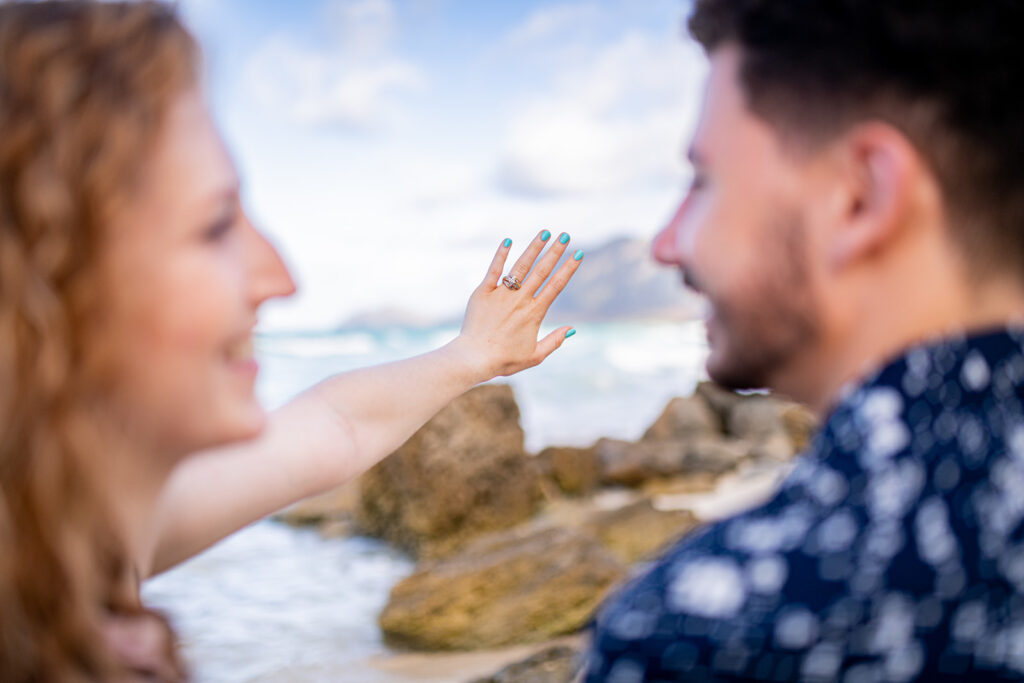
{"type": "Point", "coordinates": [387, 147]}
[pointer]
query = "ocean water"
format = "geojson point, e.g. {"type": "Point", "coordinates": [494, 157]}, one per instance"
{"type": "Point", "coordinates": [272, 603]}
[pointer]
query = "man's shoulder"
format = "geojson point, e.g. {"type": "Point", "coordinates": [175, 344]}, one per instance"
{"type": "Point", "coordinates": [903, 522]}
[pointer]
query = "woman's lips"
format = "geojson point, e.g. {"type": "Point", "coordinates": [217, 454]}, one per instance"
{"type": "Point", "coordinates": [241, 351]}
{"type": "Point", "coordinates": [241, 355]}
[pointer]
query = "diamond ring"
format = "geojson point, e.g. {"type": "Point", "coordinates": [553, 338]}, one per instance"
{"type": "Point", "coordinates": [512, 282]}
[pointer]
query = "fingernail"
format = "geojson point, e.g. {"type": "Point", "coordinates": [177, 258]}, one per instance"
{"type": "Point", "coordinates": [545, 236]}
{"type": "Point", "coordinates": [570, 333]}
{"type": "Point", "coordinates": [564, 239]}
{"type": "Point", "coordinates": [507, 243]}
{"type": "Point", "coordinates": [578, 255]}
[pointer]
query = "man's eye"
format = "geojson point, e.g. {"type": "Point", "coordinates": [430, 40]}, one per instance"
{"type": "Point", "coordinates": [698, 182]}
{"type": "Point", "coordinates": [219, 229]}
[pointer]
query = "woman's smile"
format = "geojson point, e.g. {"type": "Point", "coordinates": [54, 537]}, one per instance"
{"type": "Point", "coordinates": [240, 356]}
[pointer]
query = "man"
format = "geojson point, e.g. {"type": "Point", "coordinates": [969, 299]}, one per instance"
{"type": "Point", "coordinates": [856, 223]}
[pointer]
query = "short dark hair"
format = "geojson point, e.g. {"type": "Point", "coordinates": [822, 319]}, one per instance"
{"type": "Point", "coordinates": [948, 73]}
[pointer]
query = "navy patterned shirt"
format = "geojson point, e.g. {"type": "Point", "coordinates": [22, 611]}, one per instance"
{"type": "Point", "coordinates": [893, 552]}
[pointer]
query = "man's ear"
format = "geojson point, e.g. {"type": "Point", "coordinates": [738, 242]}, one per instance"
{"type": "Point", "coordinates": [876, 169]}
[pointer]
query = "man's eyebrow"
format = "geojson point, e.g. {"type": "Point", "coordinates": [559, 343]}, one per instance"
{"type": "Point", "coordinates": [228, 192]}
{"type": "Point", "coordinates": [695, 157]}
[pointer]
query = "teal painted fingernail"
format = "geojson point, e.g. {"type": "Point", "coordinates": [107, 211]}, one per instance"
{"type": "Point", "coordinates": [570, 333]}
{"type": "Point", "coordinates": [507, 243]}
{"type": "Point", "coordinates": [564, 239]}
{"type": "Point", "coordinates": [545, 236]}
{"type": "Point", "coordinates": [578, 255]}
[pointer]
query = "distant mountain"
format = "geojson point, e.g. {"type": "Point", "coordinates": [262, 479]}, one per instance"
{"type": "Point", "coordinates": [620, 280]}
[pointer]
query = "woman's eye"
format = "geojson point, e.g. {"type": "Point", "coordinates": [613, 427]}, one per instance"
{"type": "Point", "coordinates": [698, 182]}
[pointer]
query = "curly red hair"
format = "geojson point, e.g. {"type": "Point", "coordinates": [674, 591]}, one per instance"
{"type": "Point", "coordinates": [84, 88]}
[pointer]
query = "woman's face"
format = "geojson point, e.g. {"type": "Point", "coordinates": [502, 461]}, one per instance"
{"type": "Point", "coordinates": [187, 272]}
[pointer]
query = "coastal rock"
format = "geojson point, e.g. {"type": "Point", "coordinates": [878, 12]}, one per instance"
{"type": "Point", "coordinates": [503, 589]}
{"type": "Point", "coordinates": [715, 455]}
{"type": "Point", "coordinates": [801, 424]}
{"type": "Point", "coordinates": [776, 447]}
{"type": "Point", "coordinates": [639, 531]}
{"type": "Point", "coordinates": [685, 418]}
{"type": "Point", "coordinates": [631, 464]}
{"type": "Point", "coordinates": [336, 505]}
{"type": "Point", "coordinates": [719, 399]}
{"type": "Point", "coordinates": [575, 471]}
{"type": "Point", "coordinates": [462, 474]}
{"type": "Point", "coordinates": [779, 428]}
{"type": "Point", "coordinates": [557, 664]}
{"type": "Point", "coordinates": [756, 418]}
{"type": "Point", "coordinates": [698, 482]}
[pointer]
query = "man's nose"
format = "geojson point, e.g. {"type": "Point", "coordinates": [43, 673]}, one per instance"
{"type": "Point", "coordinates": [665, 247]}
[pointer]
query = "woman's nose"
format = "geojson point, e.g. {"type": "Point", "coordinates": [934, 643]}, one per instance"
{"type": "Point", "coordinates": [268, 275]}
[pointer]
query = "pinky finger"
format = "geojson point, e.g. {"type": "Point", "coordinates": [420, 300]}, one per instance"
{"type": "Point", "coordinates": [548, 345]}
{"type": "Point", "coordinates": [497, 266]}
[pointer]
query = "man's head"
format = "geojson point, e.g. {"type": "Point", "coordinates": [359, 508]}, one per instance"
{"type": "Point", "coordinates": [854, 158]}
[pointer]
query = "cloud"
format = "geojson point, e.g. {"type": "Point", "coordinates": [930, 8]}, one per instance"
{"type": "Point", "coordinates": [553, 21]}
{"type": "Point", "coordinates": [607, 119]}
{"type": "Point", "coordinates": [350, 81]}
{"type": "Point", "coordinates": [361, 27]}
{"type": "Point", "coordinates": [203, 17]}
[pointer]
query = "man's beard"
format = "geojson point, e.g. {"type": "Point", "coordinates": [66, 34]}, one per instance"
{"type": "Point", "coordinates": [776, 320]}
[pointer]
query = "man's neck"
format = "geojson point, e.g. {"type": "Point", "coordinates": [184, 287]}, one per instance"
{"type": "Point", "coordinates": [887, 327]}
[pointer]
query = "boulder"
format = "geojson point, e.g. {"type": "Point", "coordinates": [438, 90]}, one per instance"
{"type": "Point", "coordinates": [462, 474]}
{"type": "Point", "coordinates": [714, 456]}
{"type": "Point", "coordinates": [719, 399]}
{"type": "Point", "coordinates": [639, 531]}
{"type": "Point", "coordinates": [756, 418]}
{"type": "Point", "coordinates": [556, 664]}
{"type": "Point", "coordinates": [800, 423]}
{"type": "Point", "coordinates": [334, 506]}
{"type": "Point", "coordinates": [779, 428]}
{"type": "Point", "coordinates": [777, 447]}
{"type": "Point", "coordinates": [575, 471]}
{"type": "Point", "coordinates": [504, 589]}
{"type": "Point", "coordinates": [698, 482]}
{"type": "Point", "coordinates": [631, 464]}
{"type": "Point", "coordinates": [685, 418]}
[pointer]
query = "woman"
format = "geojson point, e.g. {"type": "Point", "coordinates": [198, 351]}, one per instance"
{"type": "Point", "coordinates": [130, 279]}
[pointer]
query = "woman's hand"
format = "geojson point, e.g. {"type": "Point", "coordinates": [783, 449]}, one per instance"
{"type": "Point", "coordinates": [499, 333]}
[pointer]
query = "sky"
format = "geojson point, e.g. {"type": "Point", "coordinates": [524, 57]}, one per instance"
{"type": "Point", "coordinates": [386, 147]}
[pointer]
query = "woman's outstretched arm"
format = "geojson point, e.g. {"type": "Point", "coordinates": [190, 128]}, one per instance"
{"type": "Point", "coordinates": [347, 423]}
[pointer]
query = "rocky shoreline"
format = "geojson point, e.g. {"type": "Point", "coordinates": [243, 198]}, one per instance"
{"type": "Point", "coordinates": [515, 548]}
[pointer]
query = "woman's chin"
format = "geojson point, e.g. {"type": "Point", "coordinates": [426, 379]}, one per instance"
{"type": "Point", "coordinates": [244, 424]}
{"type": "Point", "coordinates": [251, 423]}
